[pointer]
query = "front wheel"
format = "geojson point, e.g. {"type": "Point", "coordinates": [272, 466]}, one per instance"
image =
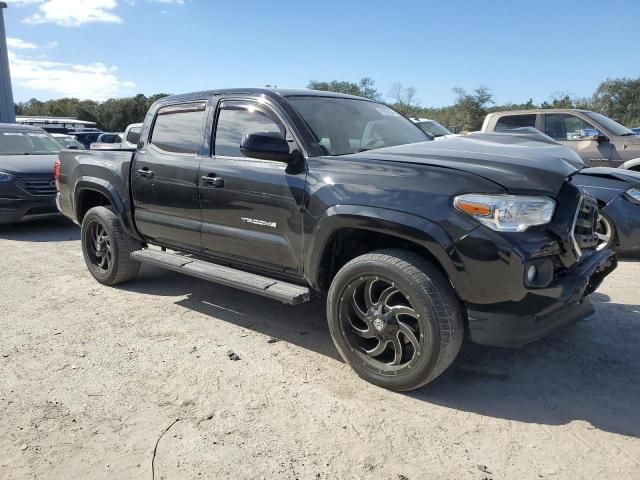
{"type": "Point", "coordinates": [606, 232]}
{"type": "Point", "coordinates": [106, 248]}
{"type": "Point", "coordinates": [395, 319]}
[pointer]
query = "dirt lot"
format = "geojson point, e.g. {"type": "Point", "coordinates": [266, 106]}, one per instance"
{"type": "Point", "coordinates": [90, 376]}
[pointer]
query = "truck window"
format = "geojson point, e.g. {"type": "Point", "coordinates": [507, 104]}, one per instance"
{"type": "Point", "coordinates": [515, 121]}
{"type": "Point", "coordinates": [178, 128]}
{"type": "Point", "coordinates": [565, 127]}
{"type": "Point", "coordinates": [233, 123]}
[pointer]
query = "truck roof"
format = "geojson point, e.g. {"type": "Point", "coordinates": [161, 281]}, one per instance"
{"type": "Point", "coordinates": [538, 110]}
{"type": "Point", "coordinates": [270, 92]}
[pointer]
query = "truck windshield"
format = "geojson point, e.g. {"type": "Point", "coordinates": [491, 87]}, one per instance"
{"type": "Point", "coordinates": [28, 143]}
{"type": "Point", "coordinates": [342, 126]}
{"type": "Point", "coordinates": [614, 127]}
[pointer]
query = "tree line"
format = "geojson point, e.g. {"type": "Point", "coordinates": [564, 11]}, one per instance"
{"type": "Point", "coordinates": [616, 98]}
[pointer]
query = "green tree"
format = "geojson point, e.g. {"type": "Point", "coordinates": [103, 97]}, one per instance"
{"type": "Point", "coordinates": [364, 88]}
{"type": "Point", "coordinates": [619, 99]}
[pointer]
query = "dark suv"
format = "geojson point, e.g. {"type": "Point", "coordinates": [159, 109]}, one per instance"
{"type": "Point", "coordinates": [27, 185]}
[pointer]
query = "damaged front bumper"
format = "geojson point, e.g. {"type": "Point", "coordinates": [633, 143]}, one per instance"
{"type": "Point", "coordinates": [569, 304]}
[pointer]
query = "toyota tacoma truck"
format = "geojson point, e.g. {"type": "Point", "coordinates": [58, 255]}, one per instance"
{"type": "Point", "coordinates": [287, 193]}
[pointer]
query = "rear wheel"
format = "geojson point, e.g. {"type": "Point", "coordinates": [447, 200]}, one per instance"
{"type": "Point", "coordinates": [106, 248]}
{"type": "Point", "coordinates": [395, 319]}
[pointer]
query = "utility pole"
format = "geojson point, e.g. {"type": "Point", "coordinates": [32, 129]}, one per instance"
{"type": "Point", "coordinates": [7, 107]}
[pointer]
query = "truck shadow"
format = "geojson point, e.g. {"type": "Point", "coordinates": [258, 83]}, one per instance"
{"type": "Point", "coordinates": [52, 230]}
{"type": "Point", "coordinates": [587, 372]}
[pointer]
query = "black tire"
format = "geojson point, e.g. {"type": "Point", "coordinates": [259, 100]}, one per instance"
{"type": "Point", "coordinates": [108, 260]}
{"type": "Point", "coordinates": [606, 231]}
{"type": "Point", "coordinates": [436, 323]}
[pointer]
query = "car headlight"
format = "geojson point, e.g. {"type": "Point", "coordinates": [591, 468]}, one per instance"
{"type": "Point", "coordinates": [633, 194]}
{"type": "Point", "coordinates": [5, 177]}
{"type": "Point", "coordinates": [507, 213]}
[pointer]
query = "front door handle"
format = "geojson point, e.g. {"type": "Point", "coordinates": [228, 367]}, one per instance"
{"type": "Point", "coordinates": [212, 181]}
{"type": "Point", "coordinates": [145, 173]}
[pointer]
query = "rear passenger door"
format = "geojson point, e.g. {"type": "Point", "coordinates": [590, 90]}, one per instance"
{"type": "Point", "coordinates": [166, 177]}
{"type": "Point", "coordinates": [570, 130]}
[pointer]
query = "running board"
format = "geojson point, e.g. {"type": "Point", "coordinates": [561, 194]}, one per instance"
{"type": "Point", "coordinates": [249, 282]}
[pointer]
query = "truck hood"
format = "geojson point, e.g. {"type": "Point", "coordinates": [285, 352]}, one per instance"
{"type": "Point", "coordinates": [629, 176]}
{"type": "Point", "coordinates": [519, 163]}
{"type": "Point", "coordinates": [20, 164]}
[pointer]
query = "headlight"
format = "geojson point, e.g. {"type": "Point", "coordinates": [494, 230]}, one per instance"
{"type": "Point", "coordinates": [507, 213]}
{"type": "Point", "coordinates": [633, 194]}
{"type": "Point", "coordinates": [5, 177]}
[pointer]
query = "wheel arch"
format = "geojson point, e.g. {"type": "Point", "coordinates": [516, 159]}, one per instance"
{"type": "Point", "coordinates": [345, 232]}
{"type": "Point", "coordinates": [91, 192]}
{"type": "Point", "coordinates": [633, 164]}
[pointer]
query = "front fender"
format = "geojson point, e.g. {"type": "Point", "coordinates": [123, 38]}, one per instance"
{"type": "Point", "coordinates": [409, 227]}
{"type": "Point", "coordinates": [633, 164]}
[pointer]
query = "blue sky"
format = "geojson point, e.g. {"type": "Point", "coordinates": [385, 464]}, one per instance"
{"type": "Point", "coordinates": [103, 48]}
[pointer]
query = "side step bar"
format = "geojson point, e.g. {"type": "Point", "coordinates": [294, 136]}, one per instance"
{"type": "Point", "coordinates": [265, 286]}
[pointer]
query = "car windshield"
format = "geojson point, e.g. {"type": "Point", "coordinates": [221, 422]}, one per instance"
{"type": "Point", "coordinates": [611, 125]}
{"type": "Point", "coordinates": [28, 143]}
{"type": "Point", "coordinates": [433, 128]}
{"type": "Point", "coordinates": [342, 125]}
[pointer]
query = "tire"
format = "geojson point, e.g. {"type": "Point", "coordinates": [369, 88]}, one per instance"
{"type": "Point", "coordinates": [109, 259]}
{"type": "Point", "coordinates": [606, 231]}
{"type": "Point", "coordinates": [364, 312]}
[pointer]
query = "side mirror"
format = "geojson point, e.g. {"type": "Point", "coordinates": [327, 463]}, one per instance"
{"type": "Point", "coordinates": [602, 138]}
{"type": "Point", "coordinates": [266, 146]}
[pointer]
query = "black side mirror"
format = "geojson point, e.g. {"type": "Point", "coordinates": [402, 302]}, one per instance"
{"type": "Point", "coordinates": [266, 146]}
{"type": "Point", "coordinates": [602, 138]}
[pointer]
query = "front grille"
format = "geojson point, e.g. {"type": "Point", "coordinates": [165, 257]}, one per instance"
{"type": "Point", "coordinates": [38, 186]}
{"type": "Point", "coordinates": [584, 225]}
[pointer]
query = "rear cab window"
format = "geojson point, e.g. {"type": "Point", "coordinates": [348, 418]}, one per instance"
{"type": "Point", "coordinates": [179, 128]}
{"type": "Point", "coordinates": [509, 122]}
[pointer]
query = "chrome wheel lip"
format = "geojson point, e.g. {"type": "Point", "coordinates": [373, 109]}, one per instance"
{"type": "Point", "coordinates": [604, 238]}
{"type": "Point", "coordinates": [406, 337]}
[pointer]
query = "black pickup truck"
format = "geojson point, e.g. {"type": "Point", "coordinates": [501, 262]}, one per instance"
{"type": "Point", "coordinates": [287, 193]}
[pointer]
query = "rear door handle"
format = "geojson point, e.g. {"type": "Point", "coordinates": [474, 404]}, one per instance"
{"type": "Point", "coordinates": [212, 181]}
{"type": "Point", "coordinates": [145, 173]}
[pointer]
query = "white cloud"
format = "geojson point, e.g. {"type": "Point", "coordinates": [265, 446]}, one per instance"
{"type": "Point", "coordinates": [94, 81]}
{"type": "Point", "coordinates": [20, 44]}
{"type": "Point", "coordinates": [72, 13]}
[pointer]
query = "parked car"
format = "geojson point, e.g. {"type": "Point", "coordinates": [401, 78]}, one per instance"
{"type": "Point", "coordinates": [414, 243]}
{"type": "Point", "coordinates": [85, 137]}
{"type": "Point", "coordinates": [107, 141]}
{"type": "Point", "coordinates": [618, 195]}
{"type": "Point", "coordinates": [433, 128]}
{"type": "Point", "coordinates": [69, 141]}
{"type": "Point", "coordinates": [616, 190]}
{"type": "Point", "coordinates": [27, 186]}
{"type": "Point", "coordinates": [600, 141]}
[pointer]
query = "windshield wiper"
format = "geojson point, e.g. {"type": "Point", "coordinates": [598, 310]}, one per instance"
{"type": "Point", "coordinates": [628, 134]}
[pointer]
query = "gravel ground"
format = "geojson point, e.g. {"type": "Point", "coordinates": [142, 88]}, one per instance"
{"type": "Point", "coordinates": [91, 376]}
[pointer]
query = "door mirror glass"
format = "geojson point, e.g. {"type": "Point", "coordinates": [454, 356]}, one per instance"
{"type": "Point", "coordinates": [589, 134]}
{"type": "Point", "coordinates": [265, 146]}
